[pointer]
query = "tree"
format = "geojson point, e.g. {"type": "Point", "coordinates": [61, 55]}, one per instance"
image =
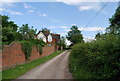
{"type": "Point", "coordinates": [27, 32]}
{"type": "Point", "coordinates": [63, 42]}
{"type": "Point", "coordinates": [98, 35]}
{"type": "Point", "coordinates": [114, 27]}
{"type": "Point", "coordinates": [74, 35]}
{"type": "Point", "coordinates": [9, 29]}
{"type": "Point", "coordinates": [44, 30]}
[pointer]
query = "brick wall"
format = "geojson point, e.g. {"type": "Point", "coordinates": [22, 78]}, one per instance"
{"type": "Point", "coordinates": [13, 55]}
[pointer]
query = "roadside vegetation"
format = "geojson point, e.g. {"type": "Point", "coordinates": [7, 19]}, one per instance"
{"type": "Point", "coordinates": [24, 34]}
{"type": "Point", "coordinates": [15, 72]}
{"type": "Point", "coordinates": [98, 59]}
{"type": "Point", "coordinates": [11, 32]}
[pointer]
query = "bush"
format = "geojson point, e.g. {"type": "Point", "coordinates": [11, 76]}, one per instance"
{"type": "Point", "coordinates": [27, 48]}
{"type": "Point", "coordinates": [39, 44]}
{"type": "Point", "coordinates": [39, 49]}
{"type": "Point", "coordinates": [98, 59]}
{"type": "Point", "coordinates": [34, 42]}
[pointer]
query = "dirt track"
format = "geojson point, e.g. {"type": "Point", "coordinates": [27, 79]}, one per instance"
{"type": "Point", "coordinates": [56, 68]}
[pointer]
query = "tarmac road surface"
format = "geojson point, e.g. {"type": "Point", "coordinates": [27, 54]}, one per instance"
{"type": "Point", "coordinates": [56, 68]}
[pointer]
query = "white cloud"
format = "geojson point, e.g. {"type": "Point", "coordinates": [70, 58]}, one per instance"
{"type": "Point", "coordinates": [92, 29]}
{"type": "Point", "coordinates": [85, 5]}
{"type": "Point", "coordinates": [52, 27]}
{"type": "Point", "coordinates": [88, 38]}
{"type": "Point", "coordinates": [63, 34]}
{"type": "Point", "coordinates": [75, 2]}
{"type": "Point", "coordinates": [70, 1]}
{"type": "Point", "coordinates": [89, 5]}
{"type": "Point", "coordinates": [14, 12]}
{"type": "Point", "coordinates": [73, 24]}
{"type": "Point", "coordinates": [88, 29]}
{"type": "Point", "coordinates": [43, 15]}
{"type": "Point", "coordinates": [85, 8]}
{"type": "Point", "coordinates": [67, 30]}
{"type": "Point", "coordinates": [55, 20]}
{"type": "Point", "coordinates": [31, 11]}
{"type": "Point", "coordinates": [8, 4]}
{"type": "Point", "coordinates": [11, 0]}
{"type": "Point", "coordinates": [27, 6]}
{"type": "Point", "coordinates": [64, 27]}
{"type": "Point", "coordinates": [2, 9]}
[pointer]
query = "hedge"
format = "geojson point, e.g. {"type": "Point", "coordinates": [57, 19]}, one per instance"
{"type": "Point", "coordinates": [97, 59]}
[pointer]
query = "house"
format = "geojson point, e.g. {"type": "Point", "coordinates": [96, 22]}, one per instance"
{"type": "Point", "coordinates": [49, 38]}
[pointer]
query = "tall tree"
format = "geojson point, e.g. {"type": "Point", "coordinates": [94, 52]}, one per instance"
{"type": "Point", "coordinates": [9, 29]}
{"type": "Point", "coordinates": [62, 41]}
{"type": "Point", "coordinates": [27, 32]}
{"type": "Point", "coordinates": [114, 27]}
{"type": "Point", "coordinates": [74, 35]}
{"type": "Point", "coordinates": [44, 30]}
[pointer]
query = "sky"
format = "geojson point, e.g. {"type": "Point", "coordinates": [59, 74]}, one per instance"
{"type": "Point", "coordinates": [59, 16]}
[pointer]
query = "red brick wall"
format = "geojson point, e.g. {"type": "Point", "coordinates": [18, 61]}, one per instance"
{"type": "Point", "coordinates": [13, 55]}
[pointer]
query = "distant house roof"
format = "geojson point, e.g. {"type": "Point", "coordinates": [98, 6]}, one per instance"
{"type": "Point", "coordinates": [55, 36]}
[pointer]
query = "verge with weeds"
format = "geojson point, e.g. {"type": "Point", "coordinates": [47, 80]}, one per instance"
{"type": "Point", "coordinates": [15, 72]}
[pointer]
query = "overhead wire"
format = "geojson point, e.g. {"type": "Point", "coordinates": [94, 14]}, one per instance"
{"type": "Point", "coordinates": [97, 14]}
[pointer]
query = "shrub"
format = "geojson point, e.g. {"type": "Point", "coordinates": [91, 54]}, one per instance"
{"type": "Point", "coordinates": [27, 48]}
{"type": "Point", "coordinates": [98, 59]}
{"type": "Point", "coordinates": [39, 44]}
{"type": "Point", "coordinates": [39, 47]}
{"type": "Point", "coordinates": [34, 42]}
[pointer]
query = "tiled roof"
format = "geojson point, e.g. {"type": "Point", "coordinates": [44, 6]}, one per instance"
{"type": "Point", "coordinates": [55, 36]}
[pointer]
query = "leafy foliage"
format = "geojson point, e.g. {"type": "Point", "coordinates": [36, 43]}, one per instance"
{"type": "Point", "coordinates": [26, 32]}
{"type": "Point", "coordinates": [114, 27]}
{"type": "Point", "coordinates": [75, 35]}
{"type": "Point", "coordinates": [39, 44]}
{"type": "Point", "coordinates": [9, 29]}
{"type": "Point", "coordinates": [101, 58]}
{"type": "Point", "coordinates": [27, 48]}
{"type": "Point", "coordinates": [40, 49]}
{"type": "Point", "coordinates": [44, 30]}
{"type": "Point", "coordinates": [11, 33]}
{"type": "Point", "coordinates": [62, 42]}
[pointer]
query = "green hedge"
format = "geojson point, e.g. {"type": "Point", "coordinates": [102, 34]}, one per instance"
{"type": "Point", "coordinates": [97, 59]}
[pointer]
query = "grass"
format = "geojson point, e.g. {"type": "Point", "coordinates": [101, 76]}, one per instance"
{"type": "Point", "coordinates": [17, 71]}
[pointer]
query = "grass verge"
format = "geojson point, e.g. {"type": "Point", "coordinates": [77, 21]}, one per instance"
{"type": "Point", "coordinates": [15, 72]}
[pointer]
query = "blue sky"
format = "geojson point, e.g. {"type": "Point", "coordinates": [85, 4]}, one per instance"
{"type": "Point", "coordinates": [60, 16]}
